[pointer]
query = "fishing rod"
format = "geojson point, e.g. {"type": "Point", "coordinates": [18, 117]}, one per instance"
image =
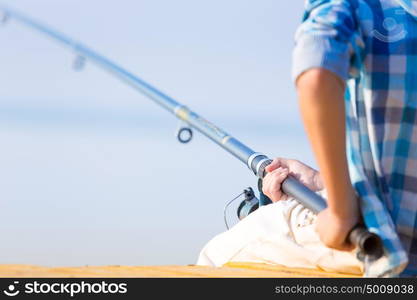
{"type": "Point", "coordinates": [369, 244]}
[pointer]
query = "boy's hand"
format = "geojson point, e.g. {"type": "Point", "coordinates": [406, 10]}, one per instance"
{"type": "Point", "coordinates": [279, 169]}
{"type": "Point", "coordinates": [333, 226]}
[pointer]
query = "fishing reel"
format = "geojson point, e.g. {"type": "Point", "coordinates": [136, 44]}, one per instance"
{"type": "Point", "coordinates": [251, 202]}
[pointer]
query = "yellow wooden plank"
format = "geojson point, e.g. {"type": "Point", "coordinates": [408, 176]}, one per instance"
{"type": "Point", "coordinates": [191, 271]}
{"type": "Point", "coordinates": [282, 271]}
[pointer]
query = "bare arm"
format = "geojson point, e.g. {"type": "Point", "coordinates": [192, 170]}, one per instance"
{"type": "Point", "coordinates": [321, 97]}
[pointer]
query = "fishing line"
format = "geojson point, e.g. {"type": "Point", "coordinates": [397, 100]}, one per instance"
{"type": "Point", "coordinates": [227, 205]}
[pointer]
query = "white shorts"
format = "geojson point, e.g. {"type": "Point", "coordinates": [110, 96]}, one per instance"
{"type": "Point", "coordinates": [282, 233]}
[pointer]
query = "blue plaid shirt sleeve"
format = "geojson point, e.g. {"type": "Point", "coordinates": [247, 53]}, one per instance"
{"type": "Point", "coordinates": [326, 38]}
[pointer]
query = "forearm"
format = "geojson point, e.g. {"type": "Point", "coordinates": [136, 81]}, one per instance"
{"type": "Point", "coordinates": [321, 96]}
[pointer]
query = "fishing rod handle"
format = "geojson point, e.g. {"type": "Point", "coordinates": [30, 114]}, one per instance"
{"type": "Point", "coordinates": [369, 243]}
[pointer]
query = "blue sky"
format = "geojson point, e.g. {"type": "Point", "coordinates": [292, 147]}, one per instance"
{"type": "Point", "coordinates": [90, 170]}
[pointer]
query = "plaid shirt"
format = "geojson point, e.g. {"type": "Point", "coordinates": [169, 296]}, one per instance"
{"type": "Point", "coordinates": [372, 45]}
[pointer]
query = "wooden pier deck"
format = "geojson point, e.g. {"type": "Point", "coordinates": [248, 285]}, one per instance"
{"type": "Point", "coordinates": [231, 270]}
